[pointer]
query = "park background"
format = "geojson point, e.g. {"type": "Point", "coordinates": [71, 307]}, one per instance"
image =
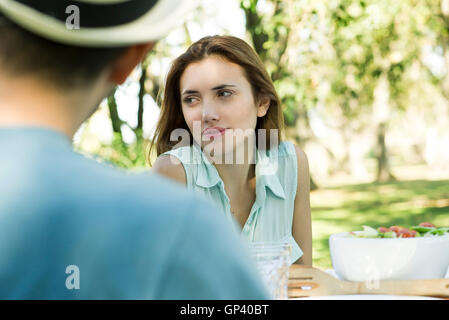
{"type": "Point", "coordinates": [364, 86]}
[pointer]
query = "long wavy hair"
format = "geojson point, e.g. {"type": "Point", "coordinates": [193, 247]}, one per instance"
{"type": "Point", "coordinates": [234, 50]}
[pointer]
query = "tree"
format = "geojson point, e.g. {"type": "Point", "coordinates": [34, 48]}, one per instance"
{"type": "Point", "coordinates": [349, 61]}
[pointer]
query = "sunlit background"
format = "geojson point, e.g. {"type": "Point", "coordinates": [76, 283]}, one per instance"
{"type": "Point", "coordinates": [364, 87]}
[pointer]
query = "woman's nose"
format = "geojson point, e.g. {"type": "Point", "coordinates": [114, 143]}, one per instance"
{"type": "Point", "coordinates": [210, 113]}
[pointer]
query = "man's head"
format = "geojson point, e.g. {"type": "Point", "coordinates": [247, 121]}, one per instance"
{"type": "Point", "coordinates": [87, 60]}
{"type": "Point", "coordinates": [24, 54]}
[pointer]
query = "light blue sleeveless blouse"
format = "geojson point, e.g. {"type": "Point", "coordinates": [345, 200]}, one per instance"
{"type": "Point", "coordinates": [271, 216]}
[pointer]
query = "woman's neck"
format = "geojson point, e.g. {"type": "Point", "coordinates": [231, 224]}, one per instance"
{"type": "Point", "coordinates": [239, 174]}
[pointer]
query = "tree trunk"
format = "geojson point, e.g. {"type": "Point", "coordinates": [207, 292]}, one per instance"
{"type": "Point", "coordinates": [254, 27]}
{"type": "Point", "coordinates": [381, 114]}
{"type": "Point", "coordinates": [142, 92]}
{"type": "Point", "coordinates": [115, 119]}
{"type": "Point", "coordinates": [383, 165]}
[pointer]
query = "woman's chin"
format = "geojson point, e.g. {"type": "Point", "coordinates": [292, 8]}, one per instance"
{"type": "Point", "coordinates": [220, 153]}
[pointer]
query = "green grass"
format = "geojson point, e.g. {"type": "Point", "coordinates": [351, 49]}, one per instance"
{"type": "Point", "coordinates": [347, 208]}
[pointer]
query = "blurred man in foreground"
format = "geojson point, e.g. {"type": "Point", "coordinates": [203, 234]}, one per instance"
{"type": "Point", "coordinates": [71, 228]}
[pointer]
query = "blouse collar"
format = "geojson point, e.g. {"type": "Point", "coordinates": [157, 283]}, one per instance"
{"type": "Point", "coordinates": [266, 173]}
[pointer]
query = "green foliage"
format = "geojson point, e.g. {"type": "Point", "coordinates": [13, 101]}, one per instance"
{"type": "Point", "coordinates": [123, 155]}
{"type": "Point", "coordinates": [353, 43]}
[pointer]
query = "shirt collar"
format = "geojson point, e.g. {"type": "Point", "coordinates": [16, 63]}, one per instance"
{"type": "Point", "coordinates": [208, 176]}
{"type": "Point", "coordinates": [266, 172]}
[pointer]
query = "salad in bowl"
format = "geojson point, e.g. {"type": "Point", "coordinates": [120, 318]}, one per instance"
{"type": "Point", "coordinates": [424, 229]}
{"type": "Point", "coordinates": [396, 253]}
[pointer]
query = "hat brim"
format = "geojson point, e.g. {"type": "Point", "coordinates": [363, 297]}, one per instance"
{"type": "Point", "coordinates": [152, 26]}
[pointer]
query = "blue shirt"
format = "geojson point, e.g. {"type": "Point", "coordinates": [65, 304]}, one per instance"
{"type": "Point", "coordinates": [130, 236]}
{"type": "Point", "coordinates": [271, 216]}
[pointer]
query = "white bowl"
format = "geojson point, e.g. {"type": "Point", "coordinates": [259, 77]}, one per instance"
{"type": "Point", "coordinates": [368, 259]}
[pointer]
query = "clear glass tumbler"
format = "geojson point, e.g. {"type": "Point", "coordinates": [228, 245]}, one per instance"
{"type": "Point", "coordinates": [272, 260]}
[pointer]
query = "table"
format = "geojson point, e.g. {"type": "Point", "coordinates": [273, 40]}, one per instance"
{"type": "Point", "coordinates": [306, 282]}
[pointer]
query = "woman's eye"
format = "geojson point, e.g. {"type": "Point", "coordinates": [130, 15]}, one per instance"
{"type": "Point", "coordinates": [190, 100]}
{"type": "Point", "coordinates": [224, 93]}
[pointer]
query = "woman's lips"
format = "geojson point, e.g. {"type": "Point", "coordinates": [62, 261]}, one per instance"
{"type": "Point", "coordinates": [214, 132]}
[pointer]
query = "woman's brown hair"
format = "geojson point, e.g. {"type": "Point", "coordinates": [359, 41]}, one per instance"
{"type": "Point", "coordinates": [234, 50]}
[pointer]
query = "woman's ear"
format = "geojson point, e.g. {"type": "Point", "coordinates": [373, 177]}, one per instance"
{"type": "Point", "coordinates": [263, 105]}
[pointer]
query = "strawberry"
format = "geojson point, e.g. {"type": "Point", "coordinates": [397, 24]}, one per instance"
{"type": "Point", "coordinates": [396, 229]}
{"type": "Point", "coordinates": [383, 229]}
{"type": "Point", "coordinates": [406, 233]}
{"type": "Point", "coordinates": [427, 224]}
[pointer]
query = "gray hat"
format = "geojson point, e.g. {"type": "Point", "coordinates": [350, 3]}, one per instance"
{"type": "Point", "coordinates": [97, 23]}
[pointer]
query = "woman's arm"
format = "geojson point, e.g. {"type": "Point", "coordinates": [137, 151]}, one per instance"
{"type": "Point", "coordinates": [302, 221]}
{"type": "Point", "coordinates": [171, 167]}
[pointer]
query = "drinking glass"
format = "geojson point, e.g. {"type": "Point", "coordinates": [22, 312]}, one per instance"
{"type": "Point", "coordinates": [272, 261]}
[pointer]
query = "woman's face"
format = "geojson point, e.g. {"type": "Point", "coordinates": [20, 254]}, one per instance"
{"type": "Point", "coordinates": [218, 104]}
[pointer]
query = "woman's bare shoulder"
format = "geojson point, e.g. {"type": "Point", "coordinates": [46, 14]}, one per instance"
{"type": "Point", "coordinates": [303, 164]}
{"type": "Point", "coordinates": [171, 167]}
{"type": "Point", "coordinates": [300, 155]}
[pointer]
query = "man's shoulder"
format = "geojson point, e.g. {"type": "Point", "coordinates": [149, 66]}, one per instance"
{"type": "Point", "coordinates": [143, 187]}
{"type": "Point", "coordinates": [103, 187]}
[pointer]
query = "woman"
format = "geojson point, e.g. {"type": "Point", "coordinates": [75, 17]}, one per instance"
{"type": "Point", "coordinates": [221, 101]}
